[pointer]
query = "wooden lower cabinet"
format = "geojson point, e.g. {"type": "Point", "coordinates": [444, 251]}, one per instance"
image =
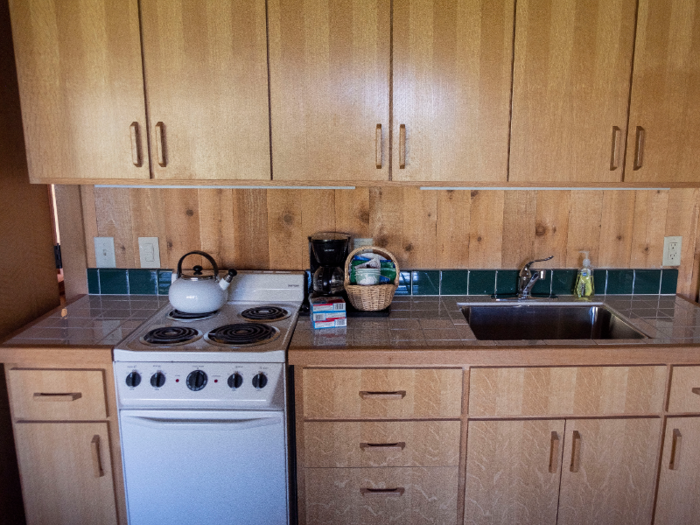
{"type": "Point", "coordinates": [380, 496]}
{"type": "Point", "coordinates": [677, 502]}
{"type": "Point", "coordinates": [66, 473]}
{"type": "Point", "coordinates": [607, 469]}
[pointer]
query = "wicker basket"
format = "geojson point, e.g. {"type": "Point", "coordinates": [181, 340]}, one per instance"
{"type": "Point", "coordinates": [374, 297]}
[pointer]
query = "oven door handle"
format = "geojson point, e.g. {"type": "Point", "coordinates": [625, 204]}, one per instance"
{"type": "Point", "coordinates": [180, 422]}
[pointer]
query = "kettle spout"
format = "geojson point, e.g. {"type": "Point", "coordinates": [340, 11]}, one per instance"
{"type": "Point", "coordinates": [226, 281]}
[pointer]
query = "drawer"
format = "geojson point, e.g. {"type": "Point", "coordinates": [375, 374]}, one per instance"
{"type": "Point", "coordinates": [566, 391]}
{"type": "Point", "coordinates": [381, 444]}
{"type": "Point", "coordinates": [409, 496]}
{"type": "Point", "coordinates": [682, 398]}
{"type": "Point", "coordinates": [53, 395]}
{"type": "Point", "coordinates": [374, 393]}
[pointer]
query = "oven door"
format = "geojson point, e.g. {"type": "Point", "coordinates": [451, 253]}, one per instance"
{"type": "Point", "coordinates": [222, 467]}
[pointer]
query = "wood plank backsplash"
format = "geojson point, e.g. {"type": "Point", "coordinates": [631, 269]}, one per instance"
{"type": "Point", "coordinates": [267, 228]}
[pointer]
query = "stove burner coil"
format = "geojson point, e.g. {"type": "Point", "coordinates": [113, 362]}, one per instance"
{"type": "Point", "coordinates": [265, 313]}
{"type": "Point", "coordinates": [177, 315]}
{"type": "Point", "coordinates": [242, 334]}
{"type": "Point", "coordinates": [171, 335]}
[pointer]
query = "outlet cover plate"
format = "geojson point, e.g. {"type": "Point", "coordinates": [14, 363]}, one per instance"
{"type": "Point", "coordinates": [104, 252]}
{"type": "Point", "coordinates": [149, 254]}
{"type": "Point", "coordinates": [672, 250]}
{"type": "Point", "coordinates": [358, 242]}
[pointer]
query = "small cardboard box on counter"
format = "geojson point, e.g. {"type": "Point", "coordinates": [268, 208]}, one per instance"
{"type": "Point", "coordinates": [328, 312]}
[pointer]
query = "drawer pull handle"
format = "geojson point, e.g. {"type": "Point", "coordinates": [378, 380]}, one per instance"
{"type": "Point", "coordinates": [696, 390]}
{"type": "Point", "coordinates": [40, 396]}
{"type": "Point", "coordinates": [135, 144]}
{"type": "Point", "coordinates": [400, 445]}
{"type": "Point", "coordinates": [639, 149]}
{"type": "Point", "coordinates": [378, 154]}
{"type": "Point", "coordinates": [615, 153]}
{"type": "Point", "coordinates": [554, 453]}
{"type": "Point", "coordinates": [392, 493]}
{"type": "Point", "coordinates": [575, 452]}
{"type": "Point", "coordinates": [160, 144]}
{"type": "Point", "coordinates": [402, 147]}
{"type": "Point", "coordinates": [675, 450]}
{"type": "Point", "coordinates": [398, 394]}
{"type": "Point", "coordinates": [96, 461]}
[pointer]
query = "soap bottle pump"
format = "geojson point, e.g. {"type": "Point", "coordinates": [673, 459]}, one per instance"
{"type": "Point", "coordinates": [584, 281]}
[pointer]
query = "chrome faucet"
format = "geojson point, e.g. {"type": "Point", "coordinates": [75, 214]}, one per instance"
{"type": "Point", "coordinates": [528, 278]}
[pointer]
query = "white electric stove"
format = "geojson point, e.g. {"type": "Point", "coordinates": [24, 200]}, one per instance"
{"type": "Point", "coordinates": [202, 408]}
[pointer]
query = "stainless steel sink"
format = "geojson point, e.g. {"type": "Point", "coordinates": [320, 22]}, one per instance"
{"type": "Point", "coordinates": [520, 321]}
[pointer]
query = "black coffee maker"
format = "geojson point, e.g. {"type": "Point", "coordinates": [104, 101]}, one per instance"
{"type": "Point", "coordinates": [327, 254]}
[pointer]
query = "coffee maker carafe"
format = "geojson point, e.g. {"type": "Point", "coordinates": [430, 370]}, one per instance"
{"type": "Point", "coordinates": [328, 251]}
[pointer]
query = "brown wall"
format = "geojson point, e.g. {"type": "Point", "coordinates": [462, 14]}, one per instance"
{"type": "Point", "coordinates": [267, 229]}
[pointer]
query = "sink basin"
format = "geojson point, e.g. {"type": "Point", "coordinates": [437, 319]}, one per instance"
{"type": "Point", "coordinates": [517, 322]}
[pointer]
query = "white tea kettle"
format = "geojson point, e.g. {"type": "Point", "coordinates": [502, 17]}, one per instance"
{"type": "Point", "coordinates": [199, 293]}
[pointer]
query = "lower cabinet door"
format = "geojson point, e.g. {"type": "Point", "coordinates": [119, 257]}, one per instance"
{"type": "Point", "coordinates": [677, 502]}
{"type": "Point", "coordinates": [513, 470]}
{"type": "Point", "coordinates": [379, 496]}
{"type": "Point", "coordinates": [609, 471]}
{"type": "Point", "coordinates": [66, 473]}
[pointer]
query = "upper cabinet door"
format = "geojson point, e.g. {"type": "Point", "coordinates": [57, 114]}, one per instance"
{"type": "Point", "coordinates": [205, 63]}
{"type": "Point", "coordinates": [571, 78]}
{"type": "Point", "coordinates": [81, 88]}
{"type": "Point", "coordinates": [329, 87]}
{"type": "Point", "coordinates": [451, 86]}
{"type": "Point", "coordinates": [664, 137]}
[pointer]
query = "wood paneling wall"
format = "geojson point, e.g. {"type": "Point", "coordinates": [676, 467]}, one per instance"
{"type": "Point", "coordinates": [267, 228]}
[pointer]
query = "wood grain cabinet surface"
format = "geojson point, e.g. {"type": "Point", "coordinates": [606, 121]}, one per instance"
{"type": "Point", "coordinates": [684, 396]}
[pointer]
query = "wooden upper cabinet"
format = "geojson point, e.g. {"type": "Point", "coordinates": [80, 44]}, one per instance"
{"type": "Point", "coordinates": [664, 137]}
{"type": "Point", "coordinates": [81, 88]}
{"type": "Point", "coordinates": [571, 79]}
{"type": "Point", "coordinates": [329, 89]}
{"type": "Point", "coordinates": [451, 89]}
{"type": "Point", "coordinates": [205, 64]}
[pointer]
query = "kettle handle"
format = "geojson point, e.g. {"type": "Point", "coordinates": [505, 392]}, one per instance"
{"type": "Point", "coordinates": [203, 254]}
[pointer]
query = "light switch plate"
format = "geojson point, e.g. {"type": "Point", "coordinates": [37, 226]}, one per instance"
{"type": "Point", "coordinates": [104, 252]}
{"type": "Point", "coordinates": [149, 252]}
{"type": "Point", "coordinates": [672, 251]}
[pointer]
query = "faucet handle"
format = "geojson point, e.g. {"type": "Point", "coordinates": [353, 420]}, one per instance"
{"type": "Point", "coordinates": [527, 266]}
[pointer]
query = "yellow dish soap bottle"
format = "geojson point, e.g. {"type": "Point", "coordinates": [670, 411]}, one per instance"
{"type": "Point", "coordinates": [584, 282]}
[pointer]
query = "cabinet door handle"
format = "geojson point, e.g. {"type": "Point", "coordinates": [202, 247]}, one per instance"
{"type": "Point", "coordinates": [615, 152]}
{"type": "Point", "coordinates": [135, 144]}
{"type": "Point", "coordinates": [402, 147]}
{"type": "Point", "coordinates": [399, 445]}
{"type": "Point", "coordinates": [397, 394]}
{"type": "Point", "coordinates": [96, 462]}
{"type": "Point", "coordinates": [696, 390]}
{"type": "Point", "coordinates": [392, 493]}
{"type": "Point", "coordinates": [554, 453]}
{"type": "Point", "coordinates": [378, 154]}
{"type": "Point", "coordinates": [160, 144]}
{"type": "Point", "coordinates": [639, 148]}
{"type": "Point", "coordinates": [675, 450]}
{"type": "Point", "coordinates": [575, 452]}
{"type": "Point", "coordinates": [42, 396]}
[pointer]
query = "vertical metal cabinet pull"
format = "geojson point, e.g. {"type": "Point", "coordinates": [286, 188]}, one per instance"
{"type": "Point", "coordinates": [395, 493]}
{"type": "Point", "coordinates": [554, 453]}
{"type": "Point", "coordinates": [639, 148]}
{"type": "Point", "coordinates": [160, 144]}
{"type": "Point", "coordinates": [96, 461]}
{"type": "Point", "coordinates": [575, 451]}
{"type": "Point", "coordinates": [135, 144]}
{"type": "Point", "coordinates": [378, 154]}
{"type": "Point", "coordinates": [402, 147]}
{"type": "Point", "coordinates": [615, 152]}
{"type": "Point", "coordinates": [675, 450]}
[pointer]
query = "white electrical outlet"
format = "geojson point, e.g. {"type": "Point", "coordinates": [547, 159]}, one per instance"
{"type": "Point", "coordinates": [672, 251]}
{"type": "Point", "coordinates": [359, 242]}
{"type": "Point", "coordinates": [104, 252]}
{"type": "Point", "coordinates": [149, 252]}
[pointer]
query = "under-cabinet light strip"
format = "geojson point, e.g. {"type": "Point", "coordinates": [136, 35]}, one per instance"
{"type": "Point", "coordinates": [523, 188]}
{"type": "Point", "coordinates": [183, 187]}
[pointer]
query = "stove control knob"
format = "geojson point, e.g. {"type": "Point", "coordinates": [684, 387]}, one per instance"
{"type": "Point", "coordinates": [197, 380]}
{"type": "Point", "coordinates": [158, 379]}
{"type": "Point", "coordinates": [235, 380]}
{"type": "Point", "coordinates": [259, 381]}
{"type": "Point", "coordinates": [133, 379]}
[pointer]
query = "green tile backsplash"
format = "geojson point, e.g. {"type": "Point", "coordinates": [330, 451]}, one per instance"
{"type": "Point", "coordinates": [428, 282]}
